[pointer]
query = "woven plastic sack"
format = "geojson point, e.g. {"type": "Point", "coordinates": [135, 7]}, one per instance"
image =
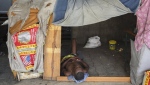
{"type": "Point", "coordinates": [146, 80]}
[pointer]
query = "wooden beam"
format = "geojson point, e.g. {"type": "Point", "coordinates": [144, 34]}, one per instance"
{"type": "Point", "coordinates": [52, 51]}
{"type": "Point", "coordinates": [13, 1]}
{"type": "Point", "coordinates": [100, 79]}
{"type": "Point", "coordinates": [74, 47]}
{"type": "Point", "coordinates": [130, 32]}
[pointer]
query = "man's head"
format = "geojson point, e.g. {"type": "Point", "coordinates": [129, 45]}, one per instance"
{"type": "Point", "coordinates": [79, 76]}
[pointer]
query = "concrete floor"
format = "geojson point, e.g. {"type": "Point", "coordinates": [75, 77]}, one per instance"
{"type": "Point", "coordinates": [47, 82]}
{"type": "Point", "coordinates": [6, 77]}
{"type": "Point", "coordinates": [102, 61]}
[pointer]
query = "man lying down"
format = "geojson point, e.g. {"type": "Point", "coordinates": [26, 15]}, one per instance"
{"type": "Point", "coordinates": [74, 68]}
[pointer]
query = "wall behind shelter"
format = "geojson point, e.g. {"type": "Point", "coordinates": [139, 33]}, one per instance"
{"type": "Point", "coordinates": [106, 30]}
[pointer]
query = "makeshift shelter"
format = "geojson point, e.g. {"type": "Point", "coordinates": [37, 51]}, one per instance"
{"type": "Point", "coordinates": [75, 13]}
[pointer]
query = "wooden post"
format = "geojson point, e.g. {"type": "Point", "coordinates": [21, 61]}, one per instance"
{"type": "Point", "coordinates": [74, 48]}
{"type": "Point", "coordinates": [52, 51]}
{"type": "Point", "coordinates": [13, 1]}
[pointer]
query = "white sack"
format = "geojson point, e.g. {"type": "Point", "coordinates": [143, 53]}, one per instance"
{"type": "Point", "coordinates": [93, 42]}
{"type": "Point", "coordinates": [5, 22]}
{"type": "Point", "coordinates": [140, 62]}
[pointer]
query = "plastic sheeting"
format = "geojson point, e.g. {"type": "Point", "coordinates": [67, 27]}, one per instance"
{"type": "Point", "coordinates": [20, 12]}
{"type": "Point", "coordinates": [84, 12]}
{"type": "Point", "coordinates": [139, 63]}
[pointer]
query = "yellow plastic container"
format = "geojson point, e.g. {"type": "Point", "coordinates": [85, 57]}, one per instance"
{"type": "Point", "coordinates": [112, 44]}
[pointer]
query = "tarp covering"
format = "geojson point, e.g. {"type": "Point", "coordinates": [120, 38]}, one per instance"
{"type": "Point", "coordinates": [131, 4]}
{"type": "Point", "coordinates": [84, 12]}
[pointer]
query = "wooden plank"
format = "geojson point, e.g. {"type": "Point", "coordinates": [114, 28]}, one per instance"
{"type": "Point", "coordinates": [56, 62]}
{"type": "Point", "coordinates": [48, 57]}
{"type": "Point", "coordinates": [52, 53]}
{"type": "Point", "coordinates": [130, 32]}
{"type": "Point", "coordinates": [100, 79]}
{"type": "Point", "coordinates": [74, 48]}
{"type": "Point", "coordinates": [13, 1]}
{"type": "Point", "coordinates": [14, 74]}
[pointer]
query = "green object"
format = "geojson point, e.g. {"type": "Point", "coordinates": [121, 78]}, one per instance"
{"type": "Point", "coordinates": [112, 44]}
{"type": "Point", "coordinates": [66, 57]}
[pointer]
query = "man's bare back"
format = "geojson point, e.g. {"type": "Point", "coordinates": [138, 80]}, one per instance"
{"type": "Point", "coordinates": [73, 66]}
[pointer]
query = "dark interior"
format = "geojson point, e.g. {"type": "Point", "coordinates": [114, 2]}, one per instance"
{"type": "Point", "coordinates": [102, 60]}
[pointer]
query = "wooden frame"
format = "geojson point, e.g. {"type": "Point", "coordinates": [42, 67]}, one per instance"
{"type": "Point", "coordinates": [52, 52]}
{"type": "Point", "coordinates": [52, 59]}
{"type": "Point", "coordinates": [100, 79]}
